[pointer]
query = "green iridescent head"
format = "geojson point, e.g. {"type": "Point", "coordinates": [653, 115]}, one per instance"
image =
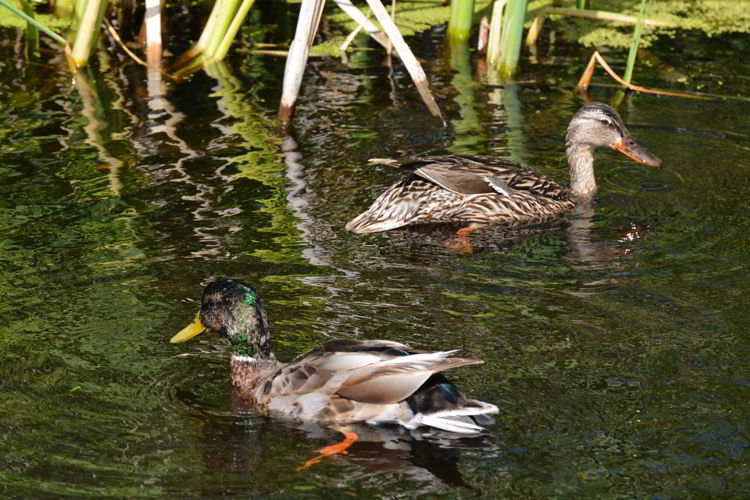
{"type": "Point", "coordinates": [232, 309]}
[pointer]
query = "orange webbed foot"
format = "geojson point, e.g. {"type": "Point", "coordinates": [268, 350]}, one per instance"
{"type": "Point", "coordinates": [334, 449]}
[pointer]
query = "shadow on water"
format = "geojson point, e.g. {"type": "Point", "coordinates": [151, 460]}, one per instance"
{"type": "Point", "coordinates": [615, 340]}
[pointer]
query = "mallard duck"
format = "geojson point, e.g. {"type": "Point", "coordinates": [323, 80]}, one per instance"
{"type": "Point", "coordinates": [483, 190]}
{"type": "Point", "coordinates": [340, 381]}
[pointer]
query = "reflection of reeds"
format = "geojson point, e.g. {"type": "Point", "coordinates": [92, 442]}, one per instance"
{"type": "Point", "coordinates": [91, 109]}
{"type": "Point", "coordinates": [259, 163]}
{"type": "Point", "coordinates": [468, 127]}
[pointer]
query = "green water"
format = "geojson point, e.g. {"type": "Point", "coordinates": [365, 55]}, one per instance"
{"type": "Point", "coordinates": [616, 343]}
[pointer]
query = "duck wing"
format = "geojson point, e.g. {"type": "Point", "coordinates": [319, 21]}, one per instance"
{"type": "Point", "coordinates": [396, 379]}
{"type": "Point", "coordinates": [375, 371]}
{"type": "Point", "coordinates": [468, 175]}
{"type": "Point", "coordinates": [324, 368]}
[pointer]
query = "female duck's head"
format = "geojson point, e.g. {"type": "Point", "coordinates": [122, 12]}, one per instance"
{"type": "Point", "coordinates": [597, 125]}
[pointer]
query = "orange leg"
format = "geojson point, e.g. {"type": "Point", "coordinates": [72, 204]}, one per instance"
{"type": "Point", "coordinates": [350, 439]}
{"type": "Point", "coordinates": [464, 231]}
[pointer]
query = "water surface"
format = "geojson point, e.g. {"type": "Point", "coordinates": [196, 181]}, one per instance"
{"type": "Point", "coordinates": [615, 342]}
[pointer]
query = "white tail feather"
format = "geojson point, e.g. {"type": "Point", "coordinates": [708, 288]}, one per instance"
{"type": "Point", "coordinates": [485, 409]}
{"type": "Point", "coordinates": [454, 420]}
{"type": "Point", "coordinates": [443, 423]}
{"type": "Point", "coordinates": [383, 161]}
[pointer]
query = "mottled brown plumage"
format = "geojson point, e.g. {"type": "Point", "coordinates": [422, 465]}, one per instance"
{"type": "Point", "coordinates": [484, 190]}
{"type": "Point", "coordinates": [339, 381]}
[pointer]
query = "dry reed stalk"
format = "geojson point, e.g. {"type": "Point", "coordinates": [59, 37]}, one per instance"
{"type": "Point", "coordinates": [588, 73]}
{"type": "Point", "coordinates": [307, 25]}
{"type": "Point", "coordinates": [412, 65]}
{"type": "Point", "coordinates": [153, 33]}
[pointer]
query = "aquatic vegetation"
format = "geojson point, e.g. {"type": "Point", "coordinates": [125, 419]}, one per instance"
{"type": "Point", "coordinates": [713, 17]}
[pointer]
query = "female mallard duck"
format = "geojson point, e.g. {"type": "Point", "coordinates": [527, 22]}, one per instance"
{"type": "Point", "coordinates": [340, 381]}
{"type": "Point", "coordinates": [483, 190]}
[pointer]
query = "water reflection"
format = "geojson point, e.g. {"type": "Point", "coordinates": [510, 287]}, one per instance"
{"type": "Point", "coordinates": [589, 250]}
{"type": "Point", "coordinates": [298, 200]}
{"type": "Point", "coordinates": [615, 340]}
{"type": "Point", "coordinates": [246, 443]}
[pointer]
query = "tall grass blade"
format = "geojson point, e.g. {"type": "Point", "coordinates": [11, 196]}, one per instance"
{"type": "Point", "coordinates": [407, 57]}
{"type": "Point", "coordinates": [536, 25]}
{"type": "Point", "coordinates": [307, 25]}
{"type": "Point", "coordinates": [200, 45]}
{"type": "Point", "coordinates": [221, 25]}
{"type": "Point", "coordinates": [363, 20]}
{"type": "Point", "coordinates": [636, 40]}
{"type": "Point", "coordinates": [496, 31]}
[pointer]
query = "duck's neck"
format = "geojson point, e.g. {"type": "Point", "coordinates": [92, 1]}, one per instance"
{"type": "Point", "coordinates": [248, 332]}
{"type": "Point", "coordinates": [256, 345]}
{"type": "Point", "coordinates": [582, 181]}
{"type": "Point", "coordinates": [247, 373]}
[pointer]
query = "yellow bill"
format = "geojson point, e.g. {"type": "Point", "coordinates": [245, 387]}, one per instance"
{"type": "Point", "coordinates": [190, 331]}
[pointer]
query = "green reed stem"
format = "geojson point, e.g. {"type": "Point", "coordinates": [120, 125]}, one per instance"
{"type": "Point", "coordinates": [459, 26]}
{"type": "Point", "coordinates": [226, 14]}
{"type": "Point", "coordinates": [88, 31]}
{"type": "Point", "coordinates": [496, 32]}
{"type": "Point", "coordinates": [635, 42]}
{"type": "Point", "coordinates": [231, 32]}
{"type": "Point", "coordinates": [32, 34]}
{"type": "Point", "coordinates": [512, 38]}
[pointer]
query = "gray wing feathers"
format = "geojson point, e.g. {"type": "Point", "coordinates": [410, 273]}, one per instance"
{"type": "Point", "coordinates": [367, 377]}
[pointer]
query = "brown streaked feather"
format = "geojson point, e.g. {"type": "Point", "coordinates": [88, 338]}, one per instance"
{"type": "Point", "coordinates": [488, 190]}
{"type": "Point", "coordinates": [464, 189]}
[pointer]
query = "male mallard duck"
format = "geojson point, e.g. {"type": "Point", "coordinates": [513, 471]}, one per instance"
{"type": "Point", "coordinates": [340, 381]}
{"type": "Point", "coordinates": [484, 190]}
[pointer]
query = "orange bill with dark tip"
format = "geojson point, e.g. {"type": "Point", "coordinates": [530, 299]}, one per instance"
{"type": "Point", "coordinates": [633, 150]}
